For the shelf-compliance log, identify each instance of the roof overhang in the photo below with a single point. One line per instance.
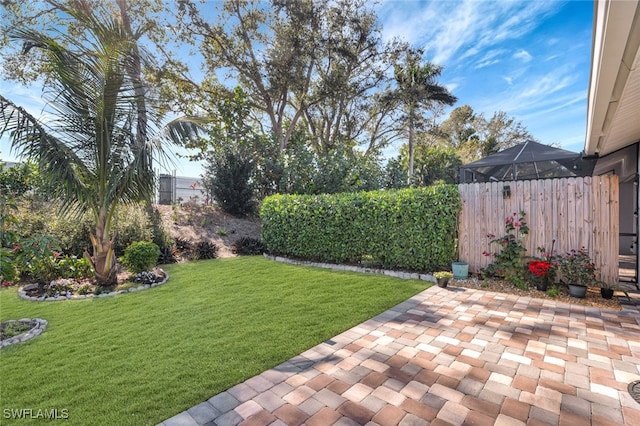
(613, 110)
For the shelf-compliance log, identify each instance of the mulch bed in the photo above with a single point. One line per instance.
(592, 298)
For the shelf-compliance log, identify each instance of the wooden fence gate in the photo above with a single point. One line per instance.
(576, 212)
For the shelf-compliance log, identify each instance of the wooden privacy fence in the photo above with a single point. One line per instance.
(576, 212)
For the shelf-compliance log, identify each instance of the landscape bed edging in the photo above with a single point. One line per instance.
(353, 268)
(40, 326)
(23, 295)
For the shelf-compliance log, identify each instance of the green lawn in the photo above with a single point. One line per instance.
(140, 358)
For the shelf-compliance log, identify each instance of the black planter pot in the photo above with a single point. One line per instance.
(541, 286)
(442, 282)
(607, 293)
(577, 291)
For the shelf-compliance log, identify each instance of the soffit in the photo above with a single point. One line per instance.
(613, 117)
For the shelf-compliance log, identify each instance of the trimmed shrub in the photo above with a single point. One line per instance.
(140, 256)
(413, 228)
(247, 246)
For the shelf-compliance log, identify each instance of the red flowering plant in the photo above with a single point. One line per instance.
(542, 270)
(509, 262)
(539, 268)
(576, 267)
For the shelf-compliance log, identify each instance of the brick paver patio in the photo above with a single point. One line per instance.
(451, 357)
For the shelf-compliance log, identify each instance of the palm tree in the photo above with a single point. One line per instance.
(100, 145)
(417, 89)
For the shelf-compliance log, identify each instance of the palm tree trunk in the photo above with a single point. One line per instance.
(103, 259)
(411, 132)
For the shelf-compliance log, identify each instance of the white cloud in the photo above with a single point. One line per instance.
(455, 30)
(451, 86)
(509, 80)
(490, 58)
(523, 55)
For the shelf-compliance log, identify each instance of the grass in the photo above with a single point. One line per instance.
(140, 358)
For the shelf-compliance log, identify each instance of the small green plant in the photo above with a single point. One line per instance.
(84, 289)
(11, 329)
(222, 232)
(443, 274)
(140, 256)
(102, 290)
(174, 214)
(37, 258)
(553, 291)
(74, 267)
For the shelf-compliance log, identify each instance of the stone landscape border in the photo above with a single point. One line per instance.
(36, 330)
(353, 268)
(22, 292)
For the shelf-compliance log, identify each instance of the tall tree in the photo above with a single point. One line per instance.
(475, 137)
(99, 145)
(307, 63)
(265, 48)
(417, 90)
(501, 132)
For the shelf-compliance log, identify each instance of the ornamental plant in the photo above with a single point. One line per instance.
(37, 258)
(443, 274)
(544, 268)
(509, 262)
(140, 256)
(576, 267)
(539, 268)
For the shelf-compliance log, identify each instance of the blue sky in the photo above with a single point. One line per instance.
(529, 58)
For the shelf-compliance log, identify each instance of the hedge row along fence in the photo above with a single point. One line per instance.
(413, 229)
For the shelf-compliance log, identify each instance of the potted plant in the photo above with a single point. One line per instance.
(543, 269)
(606, 290)
(443, 277)
(577, 271)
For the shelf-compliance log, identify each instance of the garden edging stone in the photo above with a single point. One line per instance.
(23, 295)
(353, 268)
(40, 326)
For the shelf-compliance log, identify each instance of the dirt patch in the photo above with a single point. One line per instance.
(199, 223)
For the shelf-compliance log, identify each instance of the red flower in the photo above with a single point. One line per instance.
(539, 268)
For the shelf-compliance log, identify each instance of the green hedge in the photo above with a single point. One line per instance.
(411, 228)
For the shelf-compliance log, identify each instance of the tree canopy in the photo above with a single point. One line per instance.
(322, 96)
(101, 135)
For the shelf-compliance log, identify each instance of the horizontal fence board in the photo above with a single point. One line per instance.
(575, 212)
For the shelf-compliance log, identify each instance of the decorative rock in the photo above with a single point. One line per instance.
(22, 292)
